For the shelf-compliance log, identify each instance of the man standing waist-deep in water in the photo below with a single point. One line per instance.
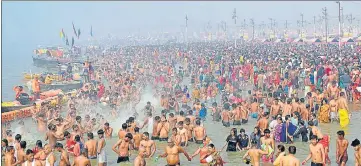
(341, 149)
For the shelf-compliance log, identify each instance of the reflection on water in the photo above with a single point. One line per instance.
(215, 130)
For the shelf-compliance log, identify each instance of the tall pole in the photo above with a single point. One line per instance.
(302, 27)
(186, 39)
(314, 26)
(286, 25)
(252, 23)
(350, 19)
(324, 11)
(234, 16)
(271, 24)
(339, 26)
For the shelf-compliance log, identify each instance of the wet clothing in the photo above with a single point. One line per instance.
(122, 159)
(243, 141)
(232, 143)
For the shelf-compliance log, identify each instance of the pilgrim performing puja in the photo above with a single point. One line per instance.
(253, 93)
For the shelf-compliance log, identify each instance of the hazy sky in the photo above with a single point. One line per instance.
(41, 22)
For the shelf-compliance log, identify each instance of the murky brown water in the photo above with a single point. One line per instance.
(215, 130)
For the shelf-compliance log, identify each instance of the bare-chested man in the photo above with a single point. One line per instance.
(175, 137)
(267, 142)
(140, 159)
(108, 131)
(21, 154)
(254, 108)
(102, 158)
(314, 130)
(163, 129)
(91, 145)
(255, 154)
(50, 157)
(30, 161)
(180, 117)
(82, 159)
(172, 153)
(155, 134)
(287, 109)
(275, 108)
(147, 145)
(225, 116)
(123, 150)
(263, 123)
(199, 133)
(244, 112)
(64, 158)
(296, 106)
(290, 159)
(342, 102)
(236, 115)
(357, 147)
(172, 120)
(189, 127)
(341, 149)
(182, 132)
(122, 132)
(9, 156)
(317, 153)
(137, 137)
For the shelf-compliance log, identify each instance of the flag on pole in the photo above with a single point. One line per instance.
(78, 33)
(62, 34)
(72, 41)
(67, 41)
(74, 30)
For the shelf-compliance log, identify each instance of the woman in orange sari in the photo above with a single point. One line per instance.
(324, 113)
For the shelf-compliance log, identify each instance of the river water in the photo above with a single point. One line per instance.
(215, 131)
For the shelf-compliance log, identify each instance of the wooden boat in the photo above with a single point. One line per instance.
(13, 108)
(64, 86)
(28, 76)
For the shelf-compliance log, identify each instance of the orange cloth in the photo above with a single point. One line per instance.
(35, 86)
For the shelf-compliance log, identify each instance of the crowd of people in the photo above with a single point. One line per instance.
(288, 89)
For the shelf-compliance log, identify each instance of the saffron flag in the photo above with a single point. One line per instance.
(74, 30)
(61, 34)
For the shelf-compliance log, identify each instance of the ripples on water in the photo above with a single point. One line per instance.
(215, 130)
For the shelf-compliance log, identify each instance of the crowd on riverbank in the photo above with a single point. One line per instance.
(287, 88)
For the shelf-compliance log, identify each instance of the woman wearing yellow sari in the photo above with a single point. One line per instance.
(324, 113)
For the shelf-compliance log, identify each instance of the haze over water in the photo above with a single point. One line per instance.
(29, 24)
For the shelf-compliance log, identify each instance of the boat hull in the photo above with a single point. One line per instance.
(63, 87)
(13, 108)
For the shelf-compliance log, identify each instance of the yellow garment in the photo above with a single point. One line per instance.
(278, 159)
(48, 80)
(344, 119)
(323, 114)
(241, 59)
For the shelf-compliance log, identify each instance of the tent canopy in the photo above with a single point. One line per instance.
(347, 40)
(298, 40)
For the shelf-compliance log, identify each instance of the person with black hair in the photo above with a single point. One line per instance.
(317, 153)
(123, 148)
(341, 148)
(357, 147)
(231, 141)
(108, 131)
(91, 145)
(82, 159)
(21, 155)
(4, 145)
(280, 154)
(9, 158)
(30, 159)
(147, 145)
(17, 145)
(123, 131)
(254, 154)
(64, 156)
(78, 146)
(290, 159)
(302, 130)
(172, 152)
(243, 141)
(102, 158)
(267, 144)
